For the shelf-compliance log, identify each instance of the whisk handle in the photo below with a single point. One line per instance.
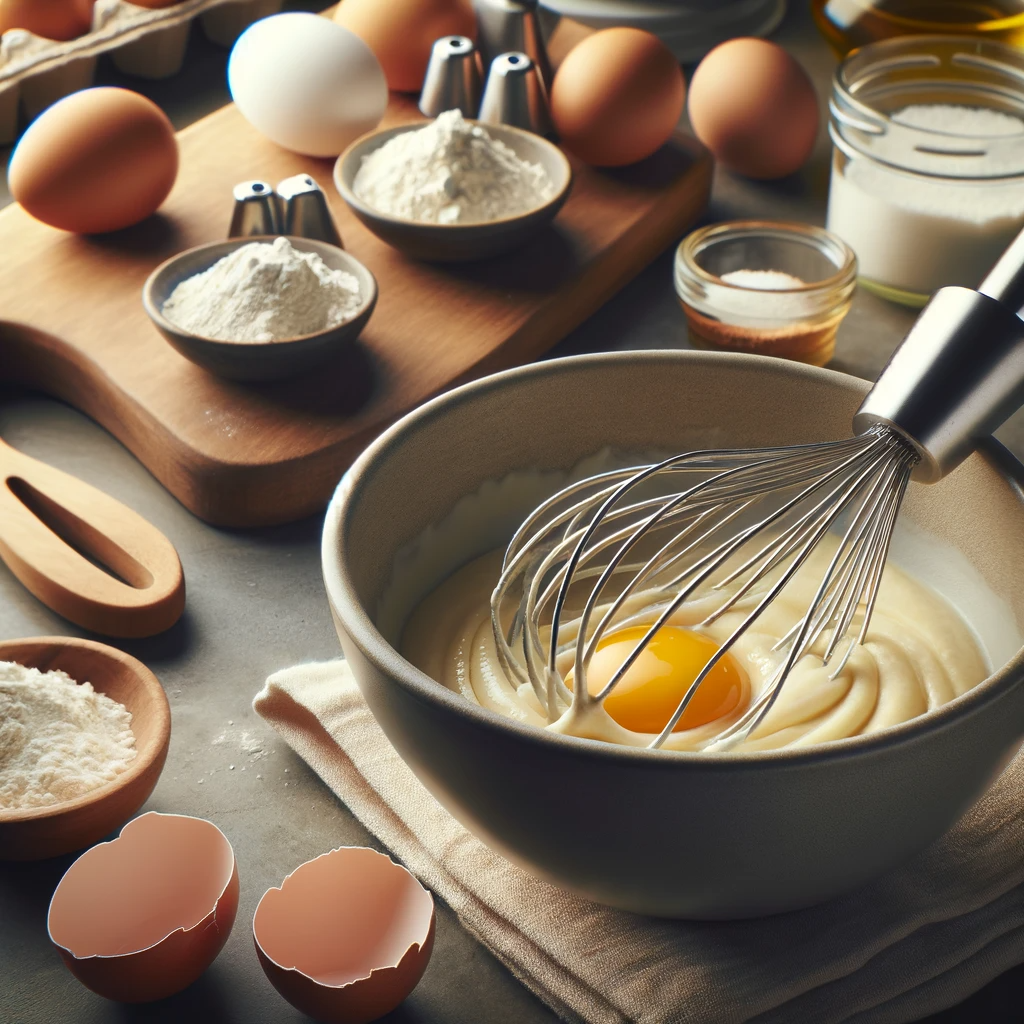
(1005, 281)
(958, 374)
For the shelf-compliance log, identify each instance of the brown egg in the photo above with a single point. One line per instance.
(346, 937)
(141, 917)
(52, 19)
(755, 108)
(98, 160)
(401, 33)
(617, 97)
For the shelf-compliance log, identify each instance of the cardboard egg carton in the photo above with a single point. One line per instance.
(35, 72)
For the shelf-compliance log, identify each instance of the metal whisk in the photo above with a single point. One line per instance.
(632, 546)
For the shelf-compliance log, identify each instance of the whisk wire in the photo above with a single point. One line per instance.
(595, 530)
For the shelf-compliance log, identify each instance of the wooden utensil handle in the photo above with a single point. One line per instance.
(84, 554)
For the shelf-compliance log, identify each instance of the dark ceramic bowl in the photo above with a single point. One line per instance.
(670, 833)
(445, 243)
(256, 360)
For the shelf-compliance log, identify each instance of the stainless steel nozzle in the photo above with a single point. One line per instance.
(453, 80)
(515, 95)
(255, 211)
(304, 210)
(511, 26)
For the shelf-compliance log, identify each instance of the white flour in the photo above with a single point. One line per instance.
(264, 292)
(58, 738)
(450, 172)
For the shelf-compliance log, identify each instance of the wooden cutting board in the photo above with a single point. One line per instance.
(72, 323)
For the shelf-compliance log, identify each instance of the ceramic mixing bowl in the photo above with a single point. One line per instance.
(668, 833)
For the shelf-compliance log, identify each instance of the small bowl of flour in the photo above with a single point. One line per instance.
(84, 732)
(453, 189)
(263, 308)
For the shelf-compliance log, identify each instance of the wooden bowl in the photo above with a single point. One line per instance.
(37, 832)
(255, 360)
(447, 243)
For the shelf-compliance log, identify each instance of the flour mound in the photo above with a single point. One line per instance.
(58, 738)
(264, 292)
(450, 172)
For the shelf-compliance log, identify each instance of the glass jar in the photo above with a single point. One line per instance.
(928, 165)
(847, 24)
(771, 288)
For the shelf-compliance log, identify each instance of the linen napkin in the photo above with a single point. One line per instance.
(920, 939)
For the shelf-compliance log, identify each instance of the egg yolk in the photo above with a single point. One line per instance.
(648, 694)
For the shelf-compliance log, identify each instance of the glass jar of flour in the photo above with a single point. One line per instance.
(928, 167)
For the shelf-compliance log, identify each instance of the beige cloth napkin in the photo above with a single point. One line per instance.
(918, 940)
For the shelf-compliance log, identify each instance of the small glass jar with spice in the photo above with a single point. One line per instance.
(765, 287)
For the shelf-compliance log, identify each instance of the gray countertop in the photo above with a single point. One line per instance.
(256, 604)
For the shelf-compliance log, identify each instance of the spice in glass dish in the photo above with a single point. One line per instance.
(770, 288)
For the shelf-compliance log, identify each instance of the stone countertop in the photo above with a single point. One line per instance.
(224, 763)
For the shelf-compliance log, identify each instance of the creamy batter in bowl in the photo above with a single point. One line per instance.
(675, 833)
(918, 655)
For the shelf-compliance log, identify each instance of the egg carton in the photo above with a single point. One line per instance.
(36, 72)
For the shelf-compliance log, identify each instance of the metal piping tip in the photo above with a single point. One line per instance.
(304, 210)
(255, 211)
(511, 26)
(515, 95)
(453, 80)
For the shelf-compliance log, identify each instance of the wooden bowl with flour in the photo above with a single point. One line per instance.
(32, 833)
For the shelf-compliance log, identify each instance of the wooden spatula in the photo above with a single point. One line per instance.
(84, 554)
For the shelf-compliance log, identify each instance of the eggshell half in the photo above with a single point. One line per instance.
(141, 917)
(346, 937)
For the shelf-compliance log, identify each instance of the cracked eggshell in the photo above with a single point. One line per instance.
(141, 917)
(346, 937)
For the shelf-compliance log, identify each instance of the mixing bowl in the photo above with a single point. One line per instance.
(667, 833)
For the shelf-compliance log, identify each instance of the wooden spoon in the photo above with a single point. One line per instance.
(84, 554)
(35, 832)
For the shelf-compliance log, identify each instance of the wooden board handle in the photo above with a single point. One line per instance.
(84, 554)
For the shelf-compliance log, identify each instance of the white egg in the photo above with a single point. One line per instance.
(307, 83)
